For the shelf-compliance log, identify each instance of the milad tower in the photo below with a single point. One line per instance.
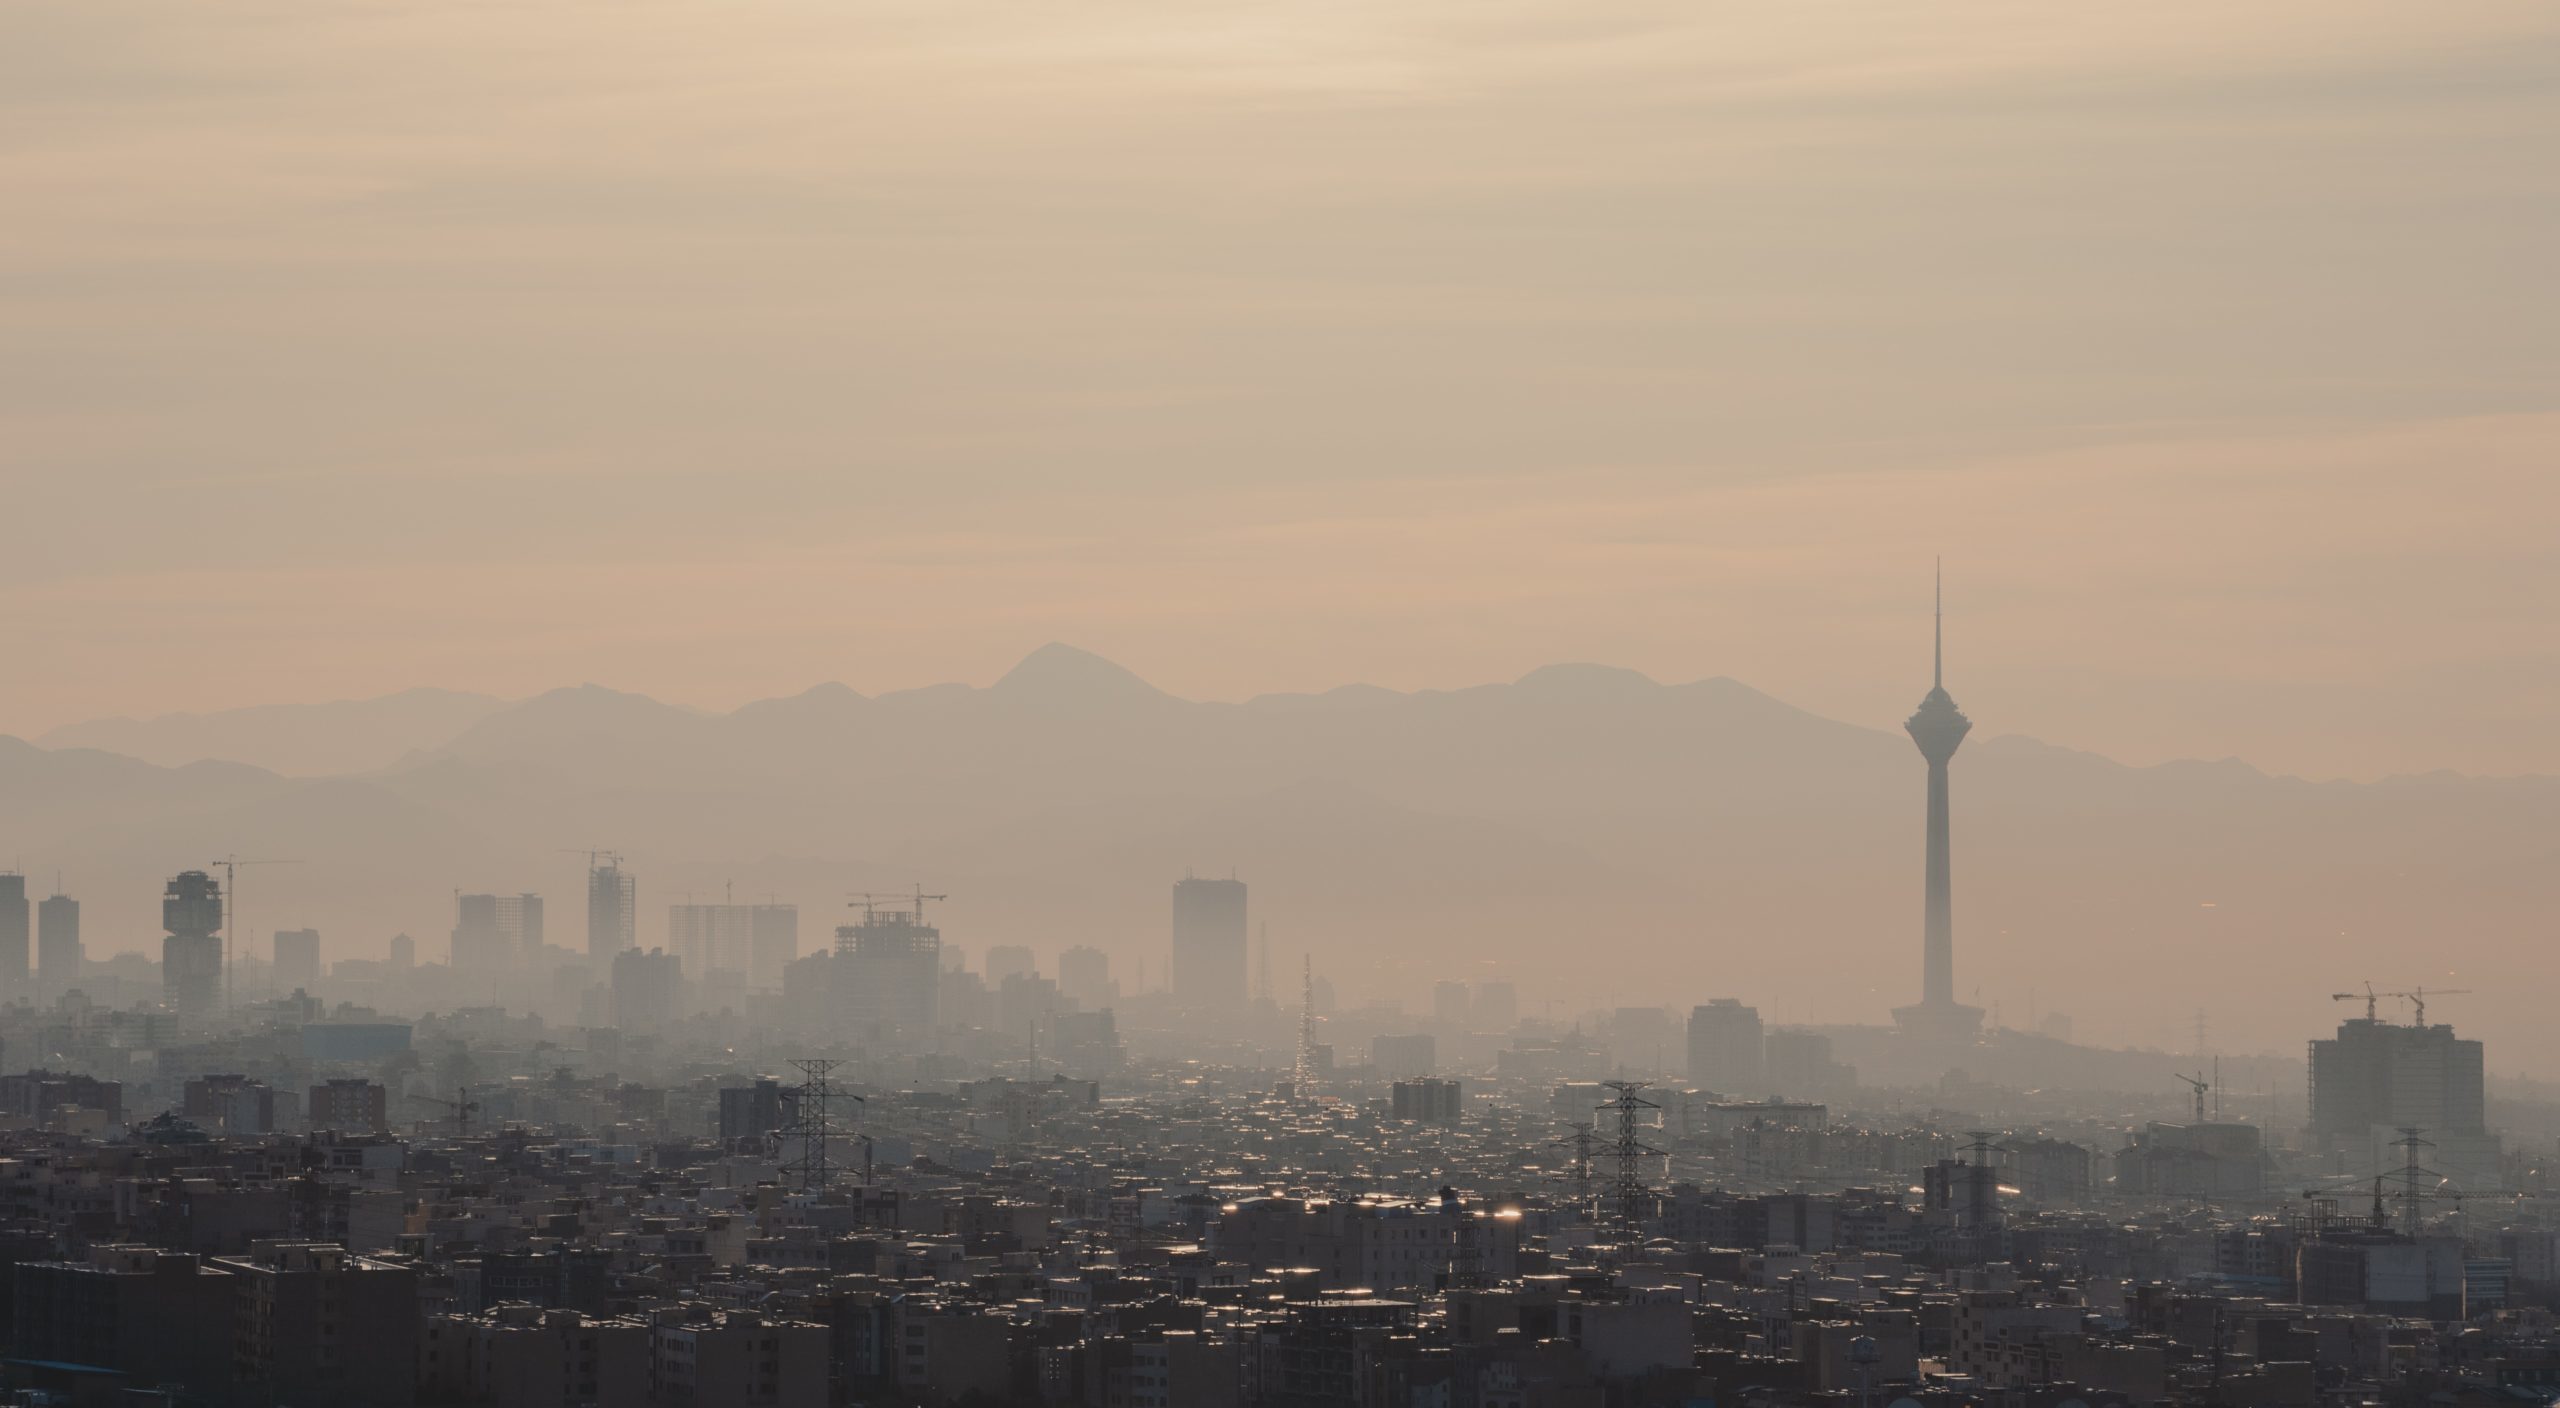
(1939, 727)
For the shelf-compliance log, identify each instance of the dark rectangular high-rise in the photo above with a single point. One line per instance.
(57, 946)
(1209, 944)
(13, 936)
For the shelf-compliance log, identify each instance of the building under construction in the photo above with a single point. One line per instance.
(888, 971)
(2376, 1078)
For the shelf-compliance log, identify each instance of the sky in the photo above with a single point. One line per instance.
(715, 350)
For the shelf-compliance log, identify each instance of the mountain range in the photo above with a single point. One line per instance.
(1601, 838)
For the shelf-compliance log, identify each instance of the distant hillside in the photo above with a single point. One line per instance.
(1603, 838)
(301, 740)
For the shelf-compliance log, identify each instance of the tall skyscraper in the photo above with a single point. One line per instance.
(191, 956)
(495, 931)
(1938, 727)
(2376, 1078)
(57, 946)
(1084, 977)
(648, 991)
(712, 937)
(13, 935)
(1726, 1053)
(613, 908)
(888, 975)
(297, 959)
(1209, 944)
(773, 943)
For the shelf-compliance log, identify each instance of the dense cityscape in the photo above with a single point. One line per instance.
(530, 1168)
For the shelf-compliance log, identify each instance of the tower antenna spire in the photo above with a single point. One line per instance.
(1938, 636)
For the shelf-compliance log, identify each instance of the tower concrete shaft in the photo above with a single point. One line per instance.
(1938, 923)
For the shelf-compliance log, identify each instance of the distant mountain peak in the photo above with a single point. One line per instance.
(1583, 677)
(1057, 671)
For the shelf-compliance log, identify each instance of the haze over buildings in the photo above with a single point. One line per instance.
(1349, 377)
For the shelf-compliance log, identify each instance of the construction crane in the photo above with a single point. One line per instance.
(871, 903)
(462, 1105)
(231, 913)
(2418, 1002)
(2416, 998)
(2201, 1085)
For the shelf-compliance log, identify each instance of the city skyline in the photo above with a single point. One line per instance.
(2026, 882)
(836, 703)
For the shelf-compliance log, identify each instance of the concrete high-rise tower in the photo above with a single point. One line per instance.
(14, 932)
(1209, 945)
(191, 956)
(613, 908)
(57, 946)
(1938, 727)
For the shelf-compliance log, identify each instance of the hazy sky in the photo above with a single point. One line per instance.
(713, 348)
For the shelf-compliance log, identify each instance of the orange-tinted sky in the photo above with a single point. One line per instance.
(712, 350)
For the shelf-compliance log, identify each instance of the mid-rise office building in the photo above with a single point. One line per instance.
(751, 1111)
(351, 1104)
(1429, 1100)
(1209, 944)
